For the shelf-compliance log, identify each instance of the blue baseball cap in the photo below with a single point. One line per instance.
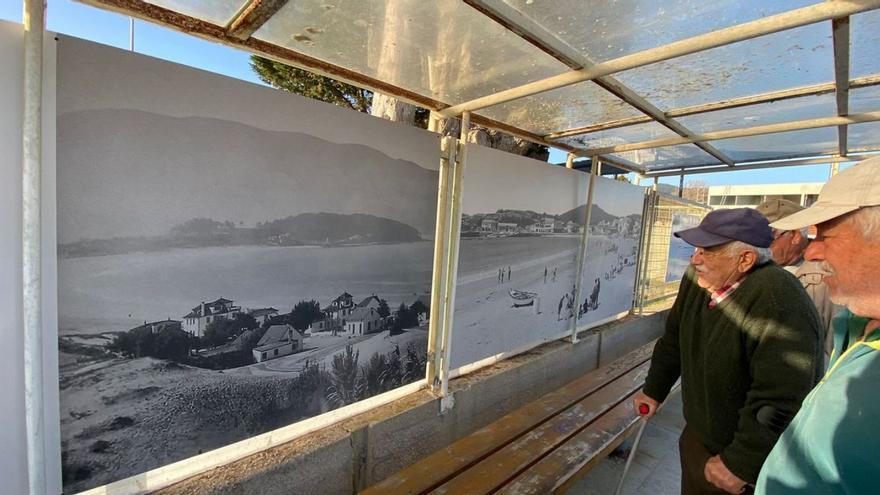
(723, 226)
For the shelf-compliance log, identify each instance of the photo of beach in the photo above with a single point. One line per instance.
(679, 251)
(611, 256)
(521, 228)
(226, 270)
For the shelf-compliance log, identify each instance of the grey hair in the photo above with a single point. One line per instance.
(867, 221)
(762, 254)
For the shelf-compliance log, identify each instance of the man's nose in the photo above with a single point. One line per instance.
(815, 251)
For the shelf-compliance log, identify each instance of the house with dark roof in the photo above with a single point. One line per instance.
(198, 319)
(363, 321)
(279, 340)
(340, 307)
(158, 326)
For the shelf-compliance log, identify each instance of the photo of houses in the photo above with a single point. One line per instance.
(226, 271)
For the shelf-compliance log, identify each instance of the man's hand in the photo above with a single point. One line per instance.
(718, 474)
(641, 399)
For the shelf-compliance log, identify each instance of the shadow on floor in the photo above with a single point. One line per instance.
(655, 469)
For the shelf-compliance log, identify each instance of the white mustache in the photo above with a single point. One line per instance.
(826, 268)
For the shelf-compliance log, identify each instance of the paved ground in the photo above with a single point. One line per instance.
(655, 469)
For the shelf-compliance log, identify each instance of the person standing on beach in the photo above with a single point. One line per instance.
(545, 274)
(500, 276)
(554, 274)
(508, 273)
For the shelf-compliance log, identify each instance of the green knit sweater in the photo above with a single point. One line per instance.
(759, 347)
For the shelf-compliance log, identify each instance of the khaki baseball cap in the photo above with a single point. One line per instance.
(854, 188)
(777, 209)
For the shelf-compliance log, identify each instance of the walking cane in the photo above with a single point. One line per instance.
(643, 410)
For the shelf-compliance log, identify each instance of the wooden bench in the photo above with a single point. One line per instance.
(541, 447)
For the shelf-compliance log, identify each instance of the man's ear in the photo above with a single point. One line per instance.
(747, 260)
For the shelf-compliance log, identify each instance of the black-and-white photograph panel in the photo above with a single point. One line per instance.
(521, 228)
(612, 251)
(232, 259)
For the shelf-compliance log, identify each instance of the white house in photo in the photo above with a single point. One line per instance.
(370, 302)
(340, 307)
(363, 321)
(508, 228)
(197, 320)
(488, 225)
(279, 340)
(262, 315)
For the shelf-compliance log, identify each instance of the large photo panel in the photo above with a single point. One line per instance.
(232, 259)
(521, 228)
(612, 251)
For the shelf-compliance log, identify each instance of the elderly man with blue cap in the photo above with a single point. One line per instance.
(744, 338)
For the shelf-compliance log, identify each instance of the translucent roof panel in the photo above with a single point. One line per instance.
(863, 137)
(809, 142)
(797, 57)
(218, 12)
(864, 32)
(442, 49)
(607, 30)
(564, 108)
(864, 99)
(621, 135)
(683, 155)
(807, 107)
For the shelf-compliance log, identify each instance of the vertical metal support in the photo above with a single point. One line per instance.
(569, 162)
(649, 219)
(638, 292)
(34, 18)
(638, 180)
(656, 184)
(453, 234)
(681, 184)
(835, 169)
(438, 281)
(585, 239)
(131, 34)
(433, 121)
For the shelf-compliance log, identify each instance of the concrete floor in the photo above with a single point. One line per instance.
(655, 469)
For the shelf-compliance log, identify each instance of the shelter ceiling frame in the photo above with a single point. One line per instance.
(253, 14)
(760, 165)
(547, 41)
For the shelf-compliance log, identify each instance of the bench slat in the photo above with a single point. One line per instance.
(445, 463)
(556, 472)
(505, 464)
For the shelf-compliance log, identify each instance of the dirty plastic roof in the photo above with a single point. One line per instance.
(653, 86)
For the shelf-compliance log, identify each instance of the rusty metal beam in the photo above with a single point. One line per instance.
(841, 76)
(252, 16)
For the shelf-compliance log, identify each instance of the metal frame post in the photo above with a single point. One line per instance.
(438, 281)
(585, 239)
(34, 21)
(453, 234)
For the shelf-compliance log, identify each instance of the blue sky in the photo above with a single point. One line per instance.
(75, 19)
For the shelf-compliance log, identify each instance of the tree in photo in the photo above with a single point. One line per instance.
(221, 331)
(346, 386)
(383, 309)
(304, 314)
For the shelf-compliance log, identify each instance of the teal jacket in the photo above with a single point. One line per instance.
(833, 444)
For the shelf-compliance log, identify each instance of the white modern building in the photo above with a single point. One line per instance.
(804, 194)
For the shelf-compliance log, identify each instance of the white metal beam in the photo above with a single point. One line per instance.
(786, 94)
(841, 76)
(761, 165)
(740, 132)
(32, 303)
(822, 11)
(513, 20)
